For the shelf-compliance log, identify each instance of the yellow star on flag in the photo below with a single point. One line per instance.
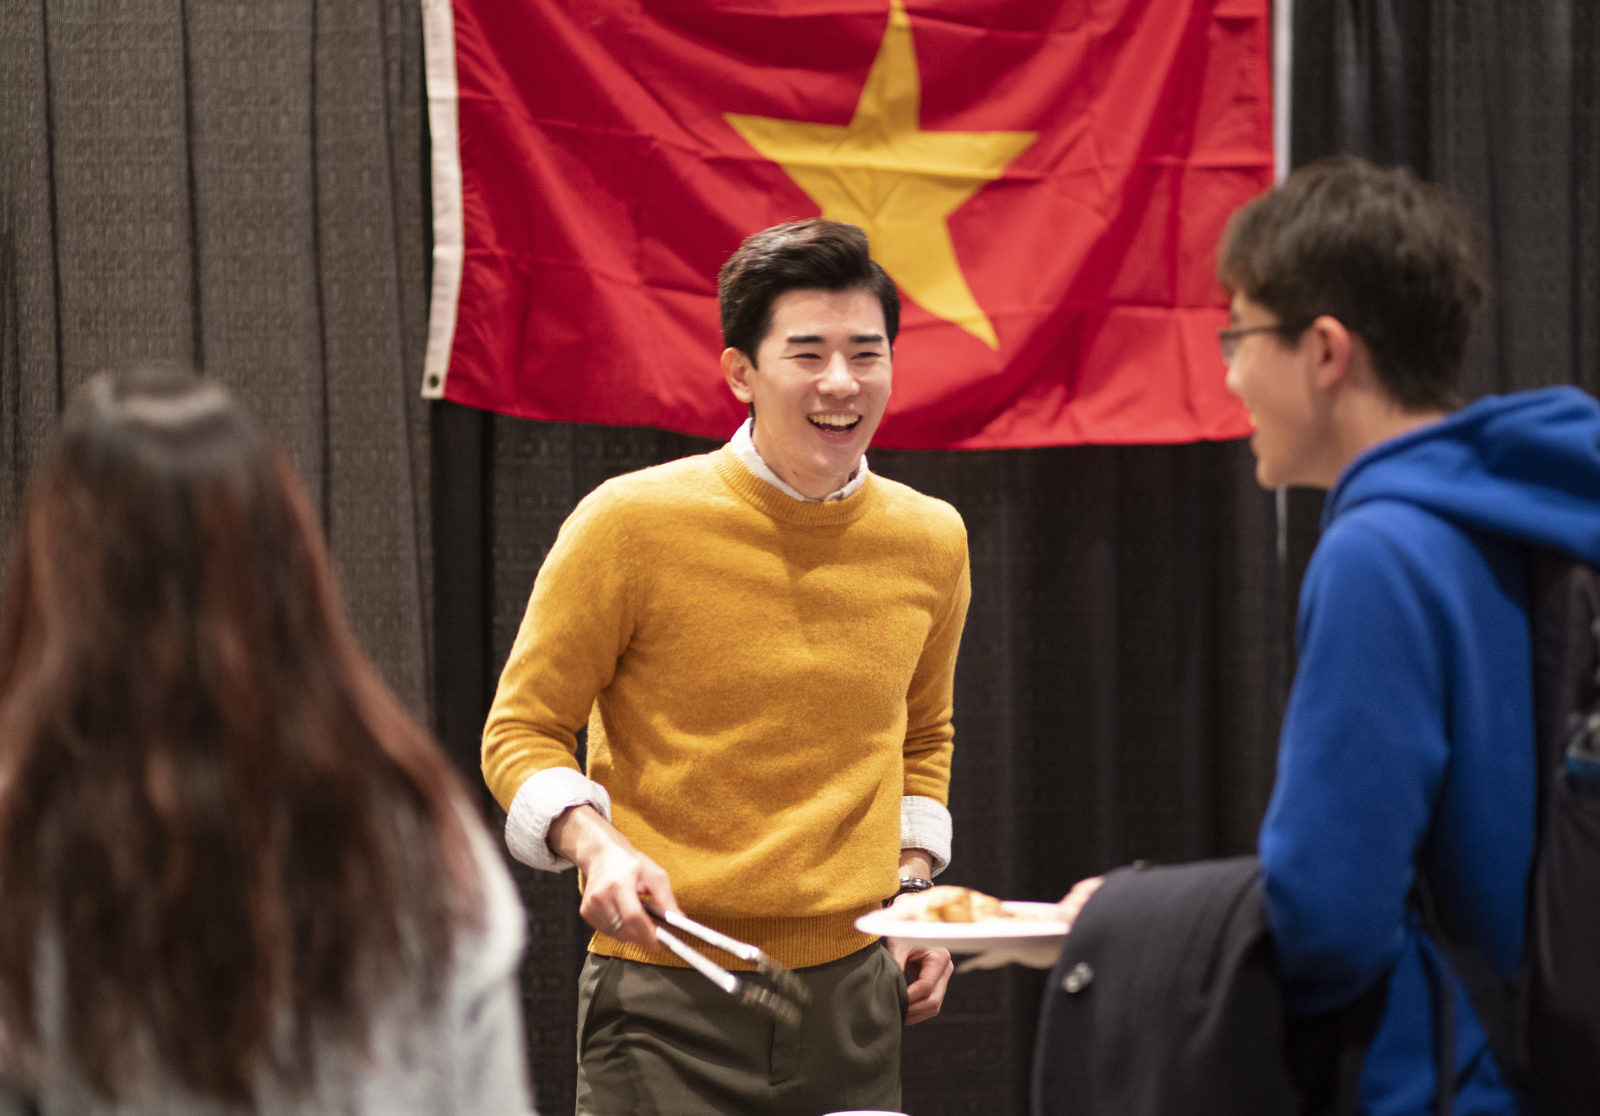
(898, 182)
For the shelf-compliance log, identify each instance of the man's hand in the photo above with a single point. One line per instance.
(1071, 904)
(927, 970)
(927, 976)
(615, 876)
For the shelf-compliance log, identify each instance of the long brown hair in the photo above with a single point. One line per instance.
(231, 831)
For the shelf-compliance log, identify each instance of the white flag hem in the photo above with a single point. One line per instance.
(439, 52)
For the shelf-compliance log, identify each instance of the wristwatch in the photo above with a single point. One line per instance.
(910, 885)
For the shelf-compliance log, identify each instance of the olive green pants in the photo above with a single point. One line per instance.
(659, 1041)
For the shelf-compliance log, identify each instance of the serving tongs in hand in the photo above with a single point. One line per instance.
(771, 987)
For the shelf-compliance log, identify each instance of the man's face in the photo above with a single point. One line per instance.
(819, 385)
(1270, 375)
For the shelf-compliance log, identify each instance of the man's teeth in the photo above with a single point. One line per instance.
(835, 422)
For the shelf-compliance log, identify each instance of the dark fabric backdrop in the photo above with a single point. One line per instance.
(245, 187)
(237, 187)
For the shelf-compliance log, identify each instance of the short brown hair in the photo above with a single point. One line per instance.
(1387, 254)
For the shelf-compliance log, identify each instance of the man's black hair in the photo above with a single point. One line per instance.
(814, 254)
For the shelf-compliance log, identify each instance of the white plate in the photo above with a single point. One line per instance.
(968, 937)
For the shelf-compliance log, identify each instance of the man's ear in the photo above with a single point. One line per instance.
(1333, 346)
(736, 370)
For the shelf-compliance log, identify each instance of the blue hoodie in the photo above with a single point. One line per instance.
(1408, 735)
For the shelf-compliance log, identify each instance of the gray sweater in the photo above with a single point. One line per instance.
(466, 1059)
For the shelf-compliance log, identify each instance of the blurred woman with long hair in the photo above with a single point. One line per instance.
(235, 874)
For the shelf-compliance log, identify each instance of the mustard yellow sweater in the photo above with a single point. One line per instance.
(763, 679)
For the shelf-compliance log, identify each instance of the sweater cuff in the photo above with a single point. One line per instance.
(924, 824)
(543, 798)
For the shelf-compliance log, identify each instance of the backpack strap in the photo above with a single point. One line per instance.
(1493, 998)
(1444, 1035)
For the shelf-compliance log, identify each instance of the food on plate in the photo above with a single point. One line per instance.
(948, 903)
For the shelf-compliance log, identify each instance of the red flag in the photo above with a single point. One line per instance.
(1045, 182)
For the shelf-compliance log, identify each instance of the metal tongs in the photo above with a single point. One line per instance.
(771, 987)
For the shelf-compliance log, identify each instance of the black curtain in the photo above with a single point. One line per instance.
(237, 188)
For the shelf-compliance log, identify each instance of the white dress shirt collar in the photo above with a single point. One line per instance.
(744, 448)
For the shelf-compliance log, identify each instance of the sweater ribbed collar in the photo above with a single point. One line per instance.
(786, 509)
(743, 444)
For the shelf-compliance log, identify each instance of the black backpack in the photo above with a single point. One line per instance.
(1544, 1025)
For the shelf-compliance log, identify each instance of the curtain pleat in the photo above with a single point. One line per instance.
(29, 332)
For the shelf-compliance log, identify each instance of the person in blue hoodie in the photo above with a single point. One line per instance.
(1407, 740)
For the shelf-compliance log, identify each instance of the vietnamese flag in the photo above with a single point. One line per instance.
(1044, 180)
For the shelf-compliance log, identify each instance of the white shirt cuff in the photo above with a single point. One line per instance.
(924, 824)
(541, 800)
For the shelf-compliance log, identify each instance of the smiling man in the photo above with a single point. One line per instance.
(762, 641)
(818, 382)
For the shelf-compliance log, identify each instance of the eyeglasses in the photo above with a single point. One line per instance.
(1228, 339)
